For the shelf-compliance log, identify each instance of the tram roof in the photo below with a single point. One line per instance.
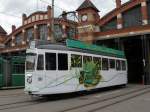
(74, 45)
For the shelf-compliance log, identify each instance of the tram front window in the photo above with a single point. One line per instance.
(30, 61)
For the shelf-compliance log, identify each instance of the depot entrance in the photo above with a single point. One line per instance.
(134, 53)
(136, 49)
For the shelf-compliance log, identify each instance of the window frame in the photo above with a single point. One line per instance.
(63, 60)
(113, 65)
(118, 69)
(91, 58)
(81, 63)
(107, 64)
(55, 61)
(124, 65)
(100, 59)
(43, 68)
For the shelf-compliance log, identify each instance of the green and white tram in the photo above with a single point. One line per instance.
(73, 67)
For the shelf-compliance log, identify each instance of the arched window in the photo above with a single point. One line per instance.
(43, 32)
(29, 34)
(58, 31)
(18, 39)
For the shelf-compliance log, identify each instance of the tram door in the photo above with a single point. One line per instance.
(39, 77)
(50, 69)
(62, 74)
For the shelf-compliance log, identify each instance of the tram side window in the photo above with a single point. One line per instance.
(118, 65)
(76, 60)
(105, 65)
(123, 65)
(97, 61)
(112, 63)
(62, 62)
(50, 61)
(87, 59)
(40, 62)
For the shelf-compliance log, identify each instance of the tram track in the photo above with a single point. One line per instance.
(101, 103)
(10, 95)
(106, 102)
(19, 104)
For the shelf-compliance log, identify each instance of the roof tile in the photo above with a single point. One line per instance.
(87, 4)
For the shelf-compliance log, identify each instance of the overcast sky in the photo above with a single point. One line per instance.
(11, 10)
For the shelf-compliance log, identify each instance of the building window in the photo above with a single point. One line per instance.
(29, 34)
(43, 32)
(105, 64)
(112, 24)
(132, 17)
(71, 33)
(50, 61)
(148, 6)
(40, 62)
(18, 39)
(8, 44)
(62, 62)
(76, 60)
(58, 31)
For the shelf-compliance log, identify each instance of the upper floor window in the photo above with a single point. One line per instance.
(112, 24)
(71, 32)
(29, 34)
(58, 31)
(43, 32)
(18, 39)
(132, 17)
(8, 44)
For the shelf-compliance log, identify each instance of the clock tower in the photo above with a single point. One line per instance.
(88, 21)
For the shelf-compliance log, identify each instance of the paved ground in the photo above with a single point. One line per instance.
(116, 100)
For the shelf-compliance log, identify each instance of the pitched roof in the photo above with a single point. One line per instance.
(87, 4)
(2, 31)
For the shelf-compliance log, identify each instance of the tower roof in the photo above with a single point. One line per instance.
(87, 4)
(2, 31)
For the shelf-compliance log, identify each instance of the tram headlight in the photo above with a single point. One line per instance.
(29, 79)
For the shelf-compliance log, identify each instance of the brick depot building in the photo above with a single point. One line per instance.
(127, 27)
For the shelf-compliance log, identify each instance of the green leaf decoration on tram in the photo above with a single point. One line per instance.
(90, 76)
